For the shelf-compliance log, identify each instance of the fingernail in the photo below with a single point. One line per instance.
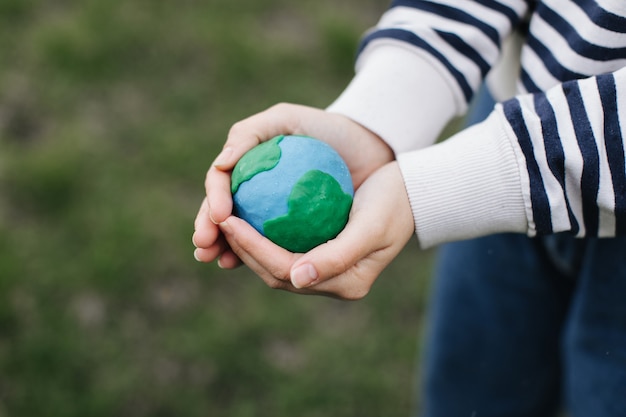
(223, 157)
(303, 276)
(195, 255)
(219, 263)
(225, 227)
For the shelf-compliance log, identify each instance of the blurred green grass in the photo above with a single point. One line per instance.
(110, 113)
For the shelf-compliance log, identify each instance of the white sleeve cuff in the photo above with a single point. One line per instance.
(468, 186)
(399, 96)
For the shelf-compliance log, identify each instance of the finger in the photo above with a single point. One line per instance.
(335, 257)
(212, 252)
(280, 119)
(271, 262)
(229, 260)
(376, 231)
(203, 215)
(219, 197)
(205, 231)
(364, 234)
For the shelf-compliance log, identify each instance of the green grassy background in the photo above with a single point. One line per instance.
(110, 113)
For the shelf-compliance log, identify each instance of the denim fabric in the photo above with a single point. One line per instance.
(522, 327)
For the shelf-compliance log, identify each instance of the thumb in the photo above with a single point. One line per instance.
(280, 119)
(377, 230)
(331, 259)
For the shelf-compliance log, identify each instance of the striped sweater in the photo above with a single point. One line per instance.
(549, 159)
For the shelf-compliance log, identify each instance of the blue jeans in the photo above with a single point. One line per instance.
(522, 327)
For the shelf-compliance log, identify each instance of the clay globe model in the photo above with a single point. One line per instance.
(295, 190)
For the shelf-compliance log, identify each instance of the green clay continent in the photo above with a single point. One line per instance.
(318, 211)
(262, 157)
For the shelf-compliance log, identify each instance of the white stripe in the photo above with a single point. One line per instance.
(573, 156)
(537, 70)
(594, 34)
(462, 63)
(417, 20)
(617, 7)
(519, 7)
(606, 195)
(620, 85)
(459, 61)
(565, 55)
(556, 195)
(482, 13)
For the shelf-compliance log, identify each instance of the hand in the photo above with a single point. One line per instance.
(362, 150)
(380, 224)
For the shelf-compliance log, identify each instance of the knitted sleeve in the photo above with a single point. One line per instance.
(549, 160)
(541, 163)
(420, 65)
(462, 39)
(572, 147)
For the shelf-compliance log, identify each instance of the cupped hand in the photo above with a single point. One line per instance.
(380, 225)
(362, 150)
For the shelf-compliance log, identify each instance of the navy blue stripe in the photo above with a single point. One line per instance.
(554, 150)
(590, 180)
(452, 14)
(413, 39)
(603, 18)
(576, 42)
(509, 13)
(538, 195)
(528, 82)
(501, 8)
(557, 70)
(614, 147)
(464, 48)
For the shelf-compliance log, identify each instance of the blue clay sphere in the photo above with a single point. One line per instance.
(295, 190)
